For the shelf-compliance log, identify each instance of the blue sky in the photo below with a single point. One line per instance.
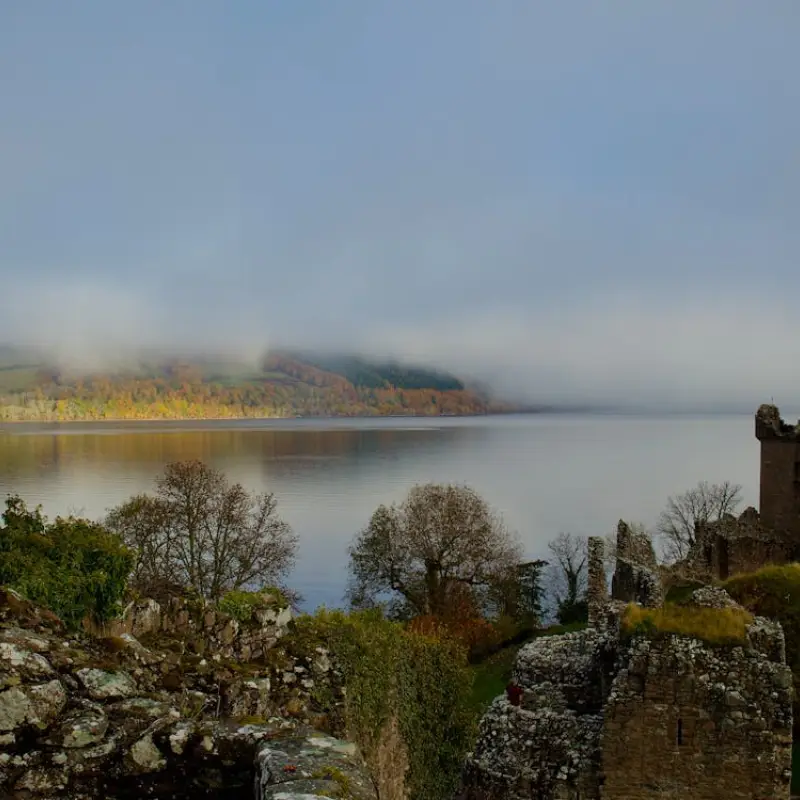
(582, 201)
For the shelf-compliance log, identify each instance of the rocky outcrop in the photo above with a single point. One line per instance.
(82, 717)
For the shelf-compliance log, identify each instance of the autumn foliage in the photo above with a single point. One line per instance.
(283, 387)
(474, 633)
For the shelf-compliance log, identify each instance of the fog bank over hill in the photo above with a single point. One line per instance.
(620, 354)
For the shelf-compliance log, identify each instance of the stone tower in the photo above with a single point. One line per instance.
(780, 473)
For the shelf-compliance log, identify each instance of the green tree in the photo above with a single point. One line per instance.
(520, 594)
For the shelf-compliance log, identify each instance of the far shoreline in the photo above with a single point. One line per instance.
(314, 422)
(300, 419)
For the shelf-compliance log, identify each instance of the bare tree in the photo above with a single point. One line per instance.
(440, 540)
(200, 531)
(684, 512)
(568, 575)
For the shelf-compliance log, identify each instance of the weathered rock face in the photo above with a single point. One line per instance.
(85, 718)
(545, 744)
(595, 714)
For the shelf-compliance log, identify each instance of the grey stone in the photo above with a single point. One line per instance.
(102, 685)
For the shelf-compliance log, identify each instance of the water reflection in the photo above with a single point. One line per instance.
(544, 473)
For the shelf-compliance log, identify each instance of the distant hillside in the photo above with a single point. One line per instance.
(286, 384)
(372, 375)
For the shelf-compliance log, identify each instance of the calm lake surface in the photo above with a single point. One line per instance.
(545, 473)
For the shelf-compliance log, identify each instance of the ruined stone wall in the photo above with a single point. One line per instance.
(203, 627)
(729, 546)
(780, 485)
(82, 718)
(596, 589)
(542, 740)
(692, 722)
(603, 715)
(636, 576)
(780, 472)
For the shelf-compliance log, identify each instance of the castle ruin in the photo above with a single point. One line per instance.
(606, 714)
(732, 544)
(779, 499)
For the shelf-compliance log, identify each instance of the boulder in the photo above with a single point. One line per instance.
(103, 685)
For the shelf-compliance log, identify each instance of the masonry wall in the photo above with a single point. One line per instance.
(689, 722)
(780, 485)
(726, 557)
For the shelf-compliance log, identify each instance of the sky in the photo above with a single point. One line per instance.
(581, 202)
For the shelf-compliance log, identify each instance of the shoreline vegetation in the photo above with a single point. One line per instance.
(283, 386)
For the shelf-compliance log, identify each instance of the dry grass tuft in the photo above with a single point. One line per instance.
(711, 625)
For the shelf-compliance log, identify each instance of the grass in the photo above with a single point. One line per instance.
(772, 591)
(242, 605)
(711, 625)
(491, 677)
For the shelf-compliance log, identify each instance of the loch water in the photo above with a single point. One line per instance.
(545, 473)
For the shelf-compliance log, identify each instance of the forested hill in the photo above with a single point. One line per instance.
(285, 384)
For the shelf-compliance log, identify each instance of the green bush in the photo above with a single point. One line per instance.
(74, 567)
(240, 604)
(389, 671)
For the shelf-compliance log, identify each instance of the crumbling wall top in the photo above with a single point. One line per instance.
(636, 577)
(635, 547)
(747, 525)
(769, 425)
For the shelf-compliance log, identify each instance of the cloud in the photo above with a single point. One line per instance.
(588, 207)
(717, 353)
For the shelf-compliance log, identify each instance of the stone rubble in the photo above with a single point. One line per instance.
(123, 718)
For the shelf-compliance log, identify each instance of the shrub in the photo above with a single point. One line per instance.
(772, 591)
(474, 634)
(240, 604)
(392, 673)
(712, 625)
(74, 567)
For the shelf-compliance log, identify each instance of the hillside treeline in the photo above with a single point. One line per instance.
(286, 387)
